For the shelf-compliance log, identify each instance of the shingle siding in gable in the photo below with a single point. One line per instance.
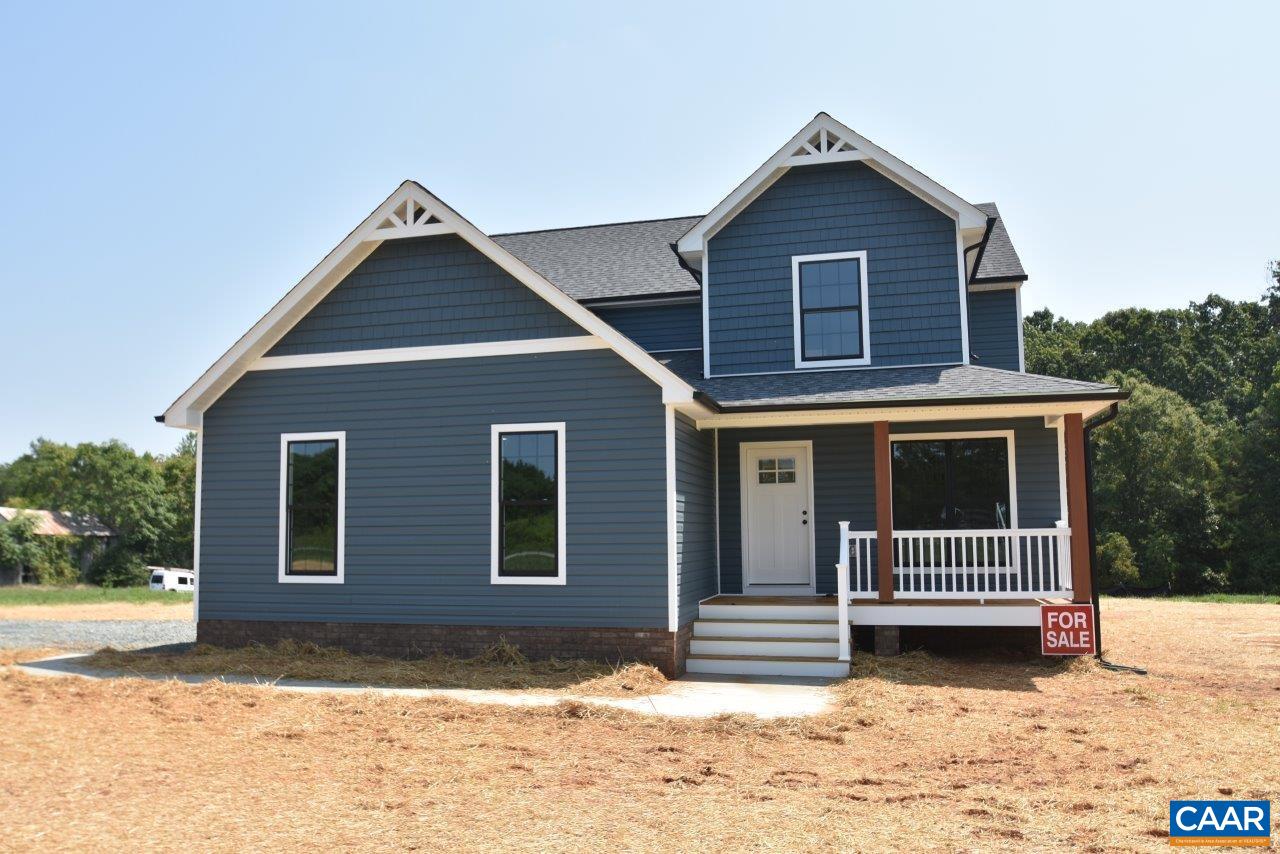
(914, 296)
(695, 517)
(424, 292)
(993, 329)
(658, 327)
(418, 492)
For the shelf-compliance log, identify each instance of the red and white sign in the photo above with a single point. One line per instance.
(1067, 630)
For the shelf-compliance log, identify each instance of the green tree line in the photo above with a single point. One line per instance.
(148, 500)
(1187, 478)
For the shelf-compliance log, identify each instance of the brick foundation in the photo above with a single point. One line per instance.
(664, 649)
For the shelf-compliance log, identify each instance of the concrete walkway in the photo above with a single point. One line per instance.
(691, 696)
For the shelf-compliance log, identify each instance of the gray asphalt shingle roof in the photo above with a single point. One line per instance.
(999, 258)
(639, 259)
(881, 386)
(625, 259)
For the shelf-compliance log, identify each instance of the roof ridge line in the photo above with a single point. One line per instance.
(596, 225)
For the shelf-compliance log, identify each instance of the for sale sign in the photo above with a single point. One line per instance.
(1067, 630)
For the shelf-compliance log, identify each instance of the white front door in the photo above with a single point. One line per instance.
(777, 518)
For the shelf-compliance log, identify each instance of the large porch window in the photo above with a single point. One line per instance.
(957, 481)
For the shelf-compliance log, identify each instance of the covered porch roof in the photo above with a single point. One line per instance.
(878, 389)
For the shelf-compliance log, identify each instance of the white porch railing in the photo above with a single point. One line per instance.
(1020, 563)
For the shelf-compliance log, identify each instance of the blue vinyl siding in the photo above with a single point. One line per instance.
(843, 490)
(423, 292)
(418, 491)
(913, 281)
(993, 329)
(659, 327)
(695, 517)
(844, 483)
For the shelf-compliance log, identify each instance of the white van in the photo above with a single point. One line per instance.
(164, 578)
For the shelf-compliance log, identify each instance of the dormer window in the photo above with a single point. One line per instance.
(830, 300)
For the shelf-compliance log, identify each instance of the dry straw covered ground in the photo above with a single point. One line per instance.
(922, 753)
(100, 611)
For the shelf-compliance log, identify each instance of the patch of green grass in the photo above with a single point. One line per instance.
(85, 595)
(1219, 598)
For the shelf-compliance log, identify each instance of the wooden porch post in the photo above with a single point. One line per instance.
(1077, 508)
(884, 513)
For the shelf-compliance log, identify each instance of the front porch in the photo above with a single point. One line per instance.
(959, 510)
(826, 527)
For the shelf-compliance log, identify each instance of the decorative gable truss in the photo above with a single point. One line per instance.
(410, 218)
(825, 146)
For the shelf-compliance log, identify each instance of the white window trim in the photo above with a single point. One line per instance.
(1007, 435)
(863, 313)
(495, 500)
(285, 439)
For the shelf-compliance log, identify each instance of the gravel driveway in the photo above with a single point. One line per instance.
(92, 634)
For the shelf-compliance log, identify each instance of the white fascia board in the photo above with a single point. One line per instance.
(943, 412)
(359, 244)
(966, 215)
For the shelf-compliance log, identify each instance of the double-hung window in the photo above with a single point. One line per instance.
(528, 504)
(312, 506)
(829, 294)
(954, 481)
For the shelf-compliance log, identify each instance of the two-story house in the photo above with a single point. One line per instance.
(715, 443)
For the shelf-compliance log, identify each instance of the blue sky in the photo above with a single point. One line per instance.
(168, 171)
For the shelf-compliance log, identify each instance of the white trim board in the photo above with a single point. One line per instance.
(959, 614)
(743, 515)
(1058, 424)
(797, 322)
(386, 355)
(1011, 454)
(907, 413)
(495, 515)
(428, 212)
(285, 438)
(673, 571)
(195, 534)
(964, 296)
(716, 485)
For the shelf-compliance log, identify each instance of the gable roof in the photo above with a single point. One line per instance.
(825, 140)
(56, 523)
(616, 260)
(410, 211)
(997, 259)
(637, 260)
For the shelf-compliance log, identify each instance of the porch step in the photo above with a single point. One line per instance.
(754, 665)
(761, 647)
(826, 629)
(768, 611)
(767, 636)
